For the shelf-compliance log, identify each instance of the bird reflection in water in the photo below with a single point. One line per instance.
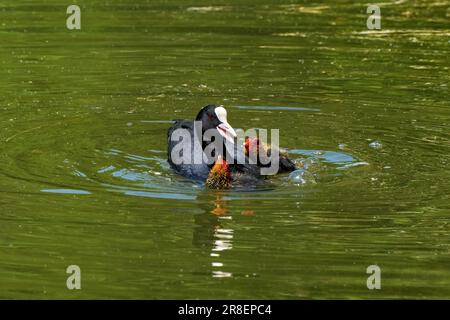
(211, 233)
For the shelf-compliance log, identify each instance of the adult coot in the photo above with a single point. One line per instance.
(186, 136)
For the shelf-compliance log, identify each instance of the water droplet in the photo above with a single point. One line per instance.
(376, 145)
(305, 163)
(301, 177)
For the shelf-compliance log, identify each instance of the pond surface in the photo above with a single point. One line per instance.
(84, 179)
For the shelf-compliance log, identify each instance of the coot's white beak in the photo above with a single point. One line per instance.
(224, 127)
(227, 131)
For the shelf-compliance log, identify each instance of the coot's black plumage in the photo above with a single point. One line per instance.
(193, 171)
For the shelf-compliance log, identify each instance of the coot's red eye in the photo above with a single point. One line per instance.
(210, 116)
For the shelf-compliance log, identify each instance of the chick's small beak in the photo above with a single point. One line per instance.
(227, 131)
(246, 146)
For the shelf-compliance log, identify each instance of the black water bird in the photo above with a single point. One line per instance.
(210, 120)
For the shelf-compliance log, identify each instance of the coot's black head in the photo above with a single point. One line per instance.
(215, 117)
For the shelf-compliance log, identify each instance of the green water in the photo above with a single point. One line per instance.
(84, 179)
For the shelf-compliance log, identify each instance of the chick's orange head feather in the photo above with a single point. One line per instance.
(251, 143)
(220, 166)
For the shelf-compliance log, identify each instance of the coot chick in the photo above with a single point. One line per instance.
(220, 176)
(253, 146)
(224, 176)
